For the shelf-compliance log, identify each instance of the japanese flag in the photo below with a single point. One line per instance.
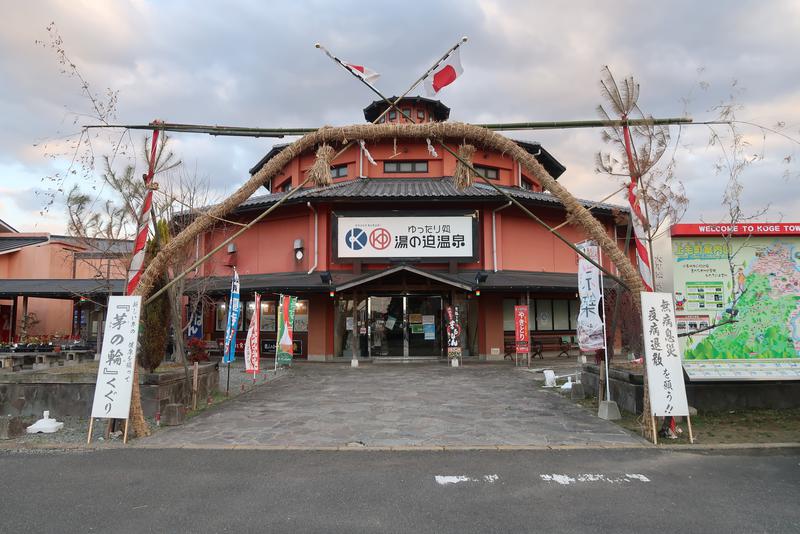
(363, 72)
(445, 74)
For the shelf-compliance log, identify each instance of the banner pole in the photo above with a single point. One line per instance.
(605, 334)
(91, 426)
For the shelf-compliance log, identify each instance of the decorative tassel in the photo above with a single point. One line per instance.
(366, 152)
(320, 172)
(463, 176)
(431, 149)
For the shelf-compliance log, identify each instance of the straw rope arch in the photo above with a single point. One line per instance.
(325, 137)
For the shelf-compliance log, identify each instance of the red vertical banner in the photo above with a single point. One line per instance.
(522, 332)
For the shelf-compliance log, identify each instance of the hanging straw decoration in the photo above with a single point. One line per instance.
(366, 152)
(430, 148)
(320, 172)
(463, 176)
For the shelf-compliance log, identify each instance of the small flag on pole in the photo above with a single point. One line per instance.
(233, 321)
(445, 74)
(362, 71)
(252, 345)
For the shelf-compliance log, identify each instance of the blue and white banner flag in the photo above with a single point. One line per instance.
(233, 321)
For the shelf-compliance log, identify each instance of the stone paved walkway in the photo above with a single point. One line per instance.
(328, 405)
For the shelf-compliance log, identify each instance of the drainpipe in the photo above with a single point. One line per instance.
(494, 233)
(316, 237)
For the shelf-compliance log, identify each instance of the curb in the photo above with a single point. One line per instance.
(399, 448)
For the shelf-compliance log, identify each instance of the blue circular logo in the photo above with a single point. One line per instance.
(355, 238)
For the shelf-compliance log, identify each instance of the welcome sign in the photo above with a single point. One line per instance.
(409, 236)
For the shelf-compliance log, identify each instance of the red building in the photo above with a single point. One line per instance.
(378, 256)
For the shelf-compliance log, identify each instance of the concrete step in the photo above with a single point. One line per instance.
(410, 359)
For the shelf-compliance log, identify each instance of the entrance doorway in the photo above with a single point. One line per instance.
(405, 326)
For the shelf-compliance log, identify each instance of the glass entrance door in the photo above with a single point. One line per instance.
(387, 335)
(405, 326)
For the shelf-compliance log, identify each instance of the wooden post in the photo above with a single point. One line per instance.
(91, 426)
(653, 428)
(195, 373)
(689, 426)
(125, 434)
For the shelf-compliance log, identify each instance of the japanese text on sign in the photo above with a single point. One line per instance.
(522, 332)
(393, 237)
(112, 394)
(590, 328)
(664, 369)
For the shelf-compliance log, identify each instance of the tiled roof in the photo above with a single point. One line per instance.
(14, 243)
(54, 288)
(408, 188)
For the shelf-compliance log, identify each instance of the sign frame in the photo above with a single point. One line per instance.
(410, 214)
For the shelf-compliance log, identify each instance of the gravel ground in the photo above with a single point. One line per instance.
(76, 429)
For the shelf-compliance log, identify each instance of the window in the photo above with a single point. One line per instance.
(339, 171)
(286, 187)
(301, 316)
(544, 314)
(221, 318)
(487, 172)
(556, 314)
(405, 166)
(526, 185)
(421, 114)
(393, 115)
(508, 313)
(407, 113)
(561, 315)
(268, 316)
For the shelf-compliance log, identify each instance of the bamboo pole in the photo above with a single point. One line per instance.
(242, 131)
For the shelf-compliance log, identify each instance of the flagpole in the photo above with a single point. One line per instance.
(411, 88)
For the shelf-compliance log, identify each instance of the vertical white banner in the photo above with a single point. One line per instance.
(590, 329)
(662, 355)
(112, 393)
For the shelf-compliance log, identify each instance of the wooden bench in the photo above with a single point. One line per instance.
(562, 344)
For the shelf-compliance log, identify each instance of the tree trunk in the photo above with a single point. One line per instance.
(140, 427)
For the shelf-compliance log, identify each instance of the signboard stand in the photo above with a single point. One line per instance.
(115, 372)
(667, 391)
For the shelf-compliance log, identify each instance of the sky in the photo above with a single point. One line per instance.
(252, 63)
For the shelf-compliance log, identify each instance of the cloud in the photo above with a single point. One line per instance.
(244, 64)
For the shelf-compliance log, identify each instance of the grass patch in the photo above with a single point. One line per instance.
(730, 426)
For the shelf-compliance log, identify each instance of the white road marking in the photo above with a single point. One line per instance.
(444, 480)
(566, 480)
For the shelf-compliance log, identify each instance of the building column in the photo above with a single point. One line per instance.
(14, 317)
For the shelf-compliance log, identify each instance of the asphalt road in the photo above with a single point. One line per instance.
(640, 490)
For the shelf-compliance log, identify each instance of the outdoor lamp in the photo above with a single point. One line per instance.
(298, 249)
(481, 277)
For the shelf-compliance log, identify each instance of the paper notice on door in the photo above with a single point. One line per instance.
(348, 322)
(430, 331)
(428, 319)
(390, 322)
(416, 328)
(415, 318)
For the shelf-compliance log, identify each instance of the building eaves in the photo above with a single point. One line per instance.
(441, 188)
(550, 163)
(11, 244)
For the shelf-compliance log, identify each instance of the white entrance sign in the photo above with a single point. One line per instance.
(662, 354)
(405, 237)
(590, 328)
(112, 394)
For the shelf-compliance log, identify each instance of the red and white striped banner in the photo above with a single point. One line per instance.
(637, 218)
(137, 262)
